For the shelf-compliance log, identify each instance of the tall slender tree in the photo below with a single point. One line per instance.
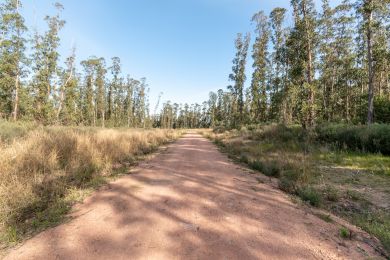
(238, 77)
(45, 66)
(12, 57)
(261, 63)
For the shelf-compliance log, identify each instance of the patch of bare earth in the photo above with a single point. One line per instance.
(191, 202)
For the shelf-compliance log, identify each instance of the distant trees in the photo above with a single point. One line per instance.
(52, 94)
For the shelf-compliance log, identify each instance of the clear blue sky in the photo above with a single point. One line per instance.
(183, 47)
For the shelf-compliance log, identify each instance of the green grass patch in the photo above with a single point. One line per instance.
(374, 163)
(344, 233)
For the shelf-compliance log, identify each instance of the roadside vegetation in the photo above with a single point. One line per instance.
(340, 168)
(45, 170)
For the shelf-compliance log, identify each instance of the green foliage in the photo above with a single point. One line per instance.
(377, 223)
(331, 194)
(310, 195)
(11, 131)
(374, 138)
(288, 182)
(268, 168)
(344, 233)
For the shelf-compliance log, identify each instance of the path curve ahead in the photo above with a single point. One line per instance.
(190, 202)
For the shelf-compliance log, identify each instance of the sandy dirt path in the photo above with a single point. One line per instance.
(191, 202)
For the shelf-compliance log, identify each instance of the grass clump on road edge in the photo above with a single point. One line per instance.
(48, 169)
(344, 233)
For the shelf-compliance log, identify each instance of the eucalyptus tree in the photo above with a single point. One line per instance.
(371, 12)
(212, 107)
(278, 108)
(89, 115)
(100, 96)
(45, 66)
(258, 106)
(12, 57)
(66, 110)
(112, 98)
(328, 57)
(301, 44)
(129, 100)
(238, 77)
(346, 84)
(66, 82)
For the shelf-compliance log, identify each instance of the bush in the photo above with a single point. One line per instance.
(331, 194)
(270, 168)
(256, 165)
(219, 129)
(374, 138)
(288, 182)
(280, 133)
(10, 131)
(310, 195)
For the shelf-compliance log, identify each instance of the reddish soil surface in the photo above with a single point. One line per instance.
(191, 202)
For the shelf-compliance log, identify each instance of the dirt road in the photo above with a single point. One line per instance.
(191, 202)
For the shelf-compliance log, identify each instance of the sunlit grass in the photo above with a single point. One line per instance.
(45, 170)
(374, 163)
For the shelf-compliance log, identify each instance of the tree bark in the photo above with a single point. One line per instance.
(16, 101)
(370, 113)
(311, 115)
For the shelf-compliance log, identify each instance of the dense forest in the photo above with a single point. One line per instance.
(330, 64)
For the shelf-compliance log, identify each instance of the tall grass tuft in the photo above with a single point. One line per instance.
(39, 169)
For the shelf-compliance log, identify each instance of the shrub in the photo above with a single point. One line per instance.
(331, 194)
(268, 168)
(310, 195)
(280, 133)
(287, 185)
(256, 165)
(374, 138)
(271, 169)
(219, 129)
(13, 130)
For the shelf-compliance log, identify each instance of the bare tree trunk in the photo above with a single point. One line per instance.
(370, 113)
(17, 79)
(16, 101)
(311, 114)
(103, 118)
(62, 94)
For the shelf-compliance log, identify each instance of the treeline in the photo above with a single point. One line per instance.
(35, 86)
(328, 65)
(331, 65)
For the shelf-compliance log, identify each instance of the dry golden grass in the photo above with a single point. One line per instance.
(41, 172)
